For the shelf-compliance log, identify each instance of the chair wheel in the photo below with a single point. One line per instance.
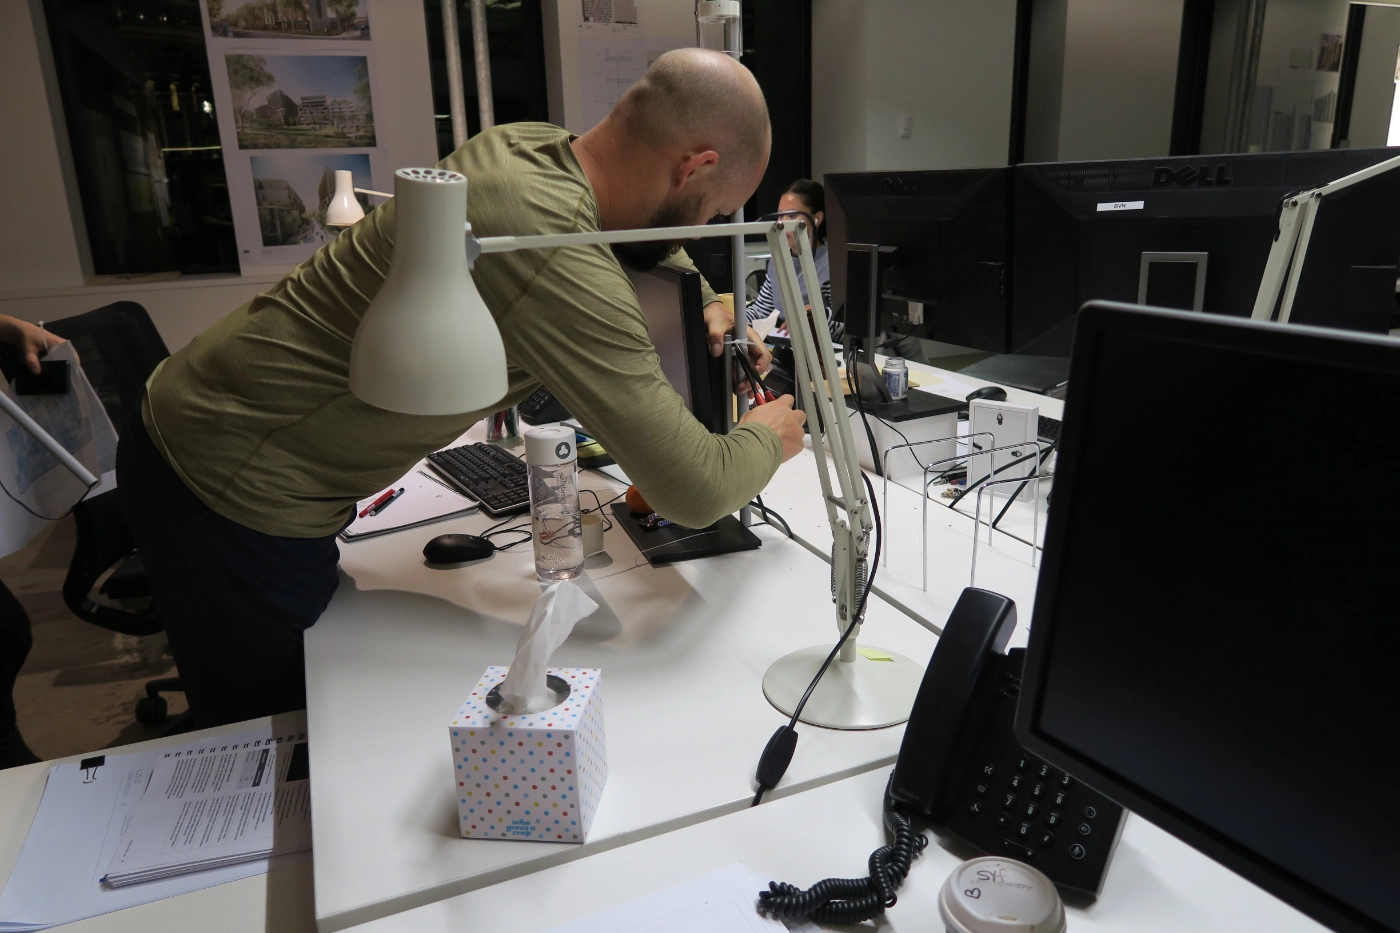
(151, 711)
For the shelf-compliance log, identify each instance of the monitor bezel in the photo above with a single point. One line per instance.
(1095, 319)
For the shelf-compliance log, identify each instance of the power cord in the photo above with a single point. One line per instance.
(769, 513)
(854, 900)
(11, 496)
(853, 373)
(777, 754)
(1012, 498)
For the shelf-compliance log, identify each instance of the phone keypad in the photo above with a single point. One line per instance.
(1029, 810)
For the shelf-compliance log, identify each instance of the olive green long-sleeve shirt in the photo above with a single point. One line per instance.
(256, 414)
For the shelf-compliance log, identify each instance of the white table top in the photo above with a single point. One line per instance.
(683, 650)
(1155, 883)
(279, 901)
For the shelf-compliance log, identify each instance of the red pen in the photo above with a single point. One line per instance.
(381, 506)
(383, 498)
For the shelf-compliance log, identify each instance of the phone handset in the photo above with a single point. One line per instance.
(953, 701)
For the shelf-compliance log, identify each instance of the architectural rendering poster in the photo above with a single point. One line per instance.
(293, 84)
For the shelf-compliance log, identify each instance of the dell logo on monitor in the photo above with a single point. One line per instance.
(1202, 177)
(894, 184)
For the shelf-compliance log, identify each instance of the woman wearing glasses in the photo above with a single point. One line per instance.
(804, 200)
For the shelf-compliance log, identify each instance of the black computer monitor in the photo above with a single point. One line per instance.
(948, 234)
(1215, 636)
(674, 309)
(1188, 232)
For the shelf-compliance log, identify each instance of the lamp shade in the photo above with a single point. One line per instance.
(427, 344)
(345, 208)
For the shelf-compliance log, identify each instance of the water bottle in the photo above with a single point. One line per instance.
(551, 459)
(896, 378)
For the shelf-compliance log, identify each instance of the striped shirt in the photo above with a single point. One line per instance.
(769, 299)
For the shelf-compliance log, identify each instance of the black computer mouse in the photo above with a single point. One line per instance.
(454, 549)
(990, 393)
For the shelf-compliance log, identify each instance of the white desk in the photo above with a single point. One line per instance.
(1155, 883)
(683, 650)
(278, 901)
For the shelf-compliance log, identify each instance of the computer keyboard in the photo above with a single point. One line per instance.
(487, 473)
(1048, 429)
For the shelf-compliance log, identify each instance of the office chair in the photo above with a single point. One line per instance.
(119, 348)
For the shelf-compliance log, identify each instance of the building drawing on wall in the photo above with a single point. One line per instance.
(281, 109)
(281, 212)
(292, 190)
(313, 110)
(301, 101)
(291, 19)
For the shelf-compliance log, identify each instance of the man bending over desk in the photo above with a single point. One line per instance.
(250, 452)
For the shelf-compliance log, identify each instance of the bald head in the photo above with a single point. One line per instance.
(699, 99)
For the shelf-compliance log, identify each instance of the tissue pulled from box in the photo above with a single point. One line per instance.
(555, 613)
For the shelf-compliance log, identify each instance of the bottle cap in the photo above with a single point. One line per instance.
(1000, 895)
(550, 445)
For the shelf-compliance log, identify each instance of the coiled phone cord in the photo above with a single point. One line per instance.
(853, 900)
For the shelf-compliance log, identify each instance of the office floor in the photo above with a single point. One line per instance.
(78, 689)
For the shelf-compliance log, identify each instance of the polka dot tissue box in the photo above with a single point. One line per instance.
(534, 776)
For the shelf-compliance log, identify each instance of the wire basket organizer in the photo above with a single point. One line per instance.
(982, 486)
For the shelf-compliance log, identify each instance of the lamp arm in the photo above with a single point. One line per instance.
(371, 191)
(507, 244)
(816, 374)
(11, 408)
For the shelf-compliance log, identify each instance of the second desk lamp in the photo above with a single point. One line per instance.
(428, 345)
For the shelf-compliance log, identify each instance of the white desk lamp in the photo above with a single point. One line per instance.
(428, 345)
(345, 209)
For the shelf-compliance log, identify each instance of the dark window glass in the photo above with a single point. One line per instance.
(134, 80)
(515, 31)
(778, 49)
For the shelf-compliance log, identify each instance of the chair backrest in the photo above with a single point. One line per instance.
(119, 348)
(103, 540)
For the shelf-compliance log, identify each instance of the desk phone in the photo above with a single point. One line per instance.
(961, 768)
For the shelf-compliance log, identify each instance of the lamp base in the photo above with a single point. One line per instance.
(860, 694)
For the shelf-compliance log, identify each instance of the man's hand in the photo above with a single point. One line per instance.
(780, 416)
(32, 341)
(720, 324)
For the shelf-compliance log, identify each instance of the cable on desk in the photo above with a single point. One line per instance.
(853, 375)
(607, 522)
(496, 529)
(1006, 466)
(1043, 457)
(777, 754)
(769, 513)
(853, 900)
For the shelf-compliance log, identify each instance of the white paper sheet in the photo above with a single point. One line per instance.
(225, 803)
(81, 819)
(721, 902)
(426, 499)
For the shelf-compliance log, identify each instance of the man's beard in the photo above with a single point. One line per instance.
(643, 257)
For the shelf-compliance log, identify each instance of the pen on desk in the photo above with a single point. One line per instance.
(384, 497)
(385, 503)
